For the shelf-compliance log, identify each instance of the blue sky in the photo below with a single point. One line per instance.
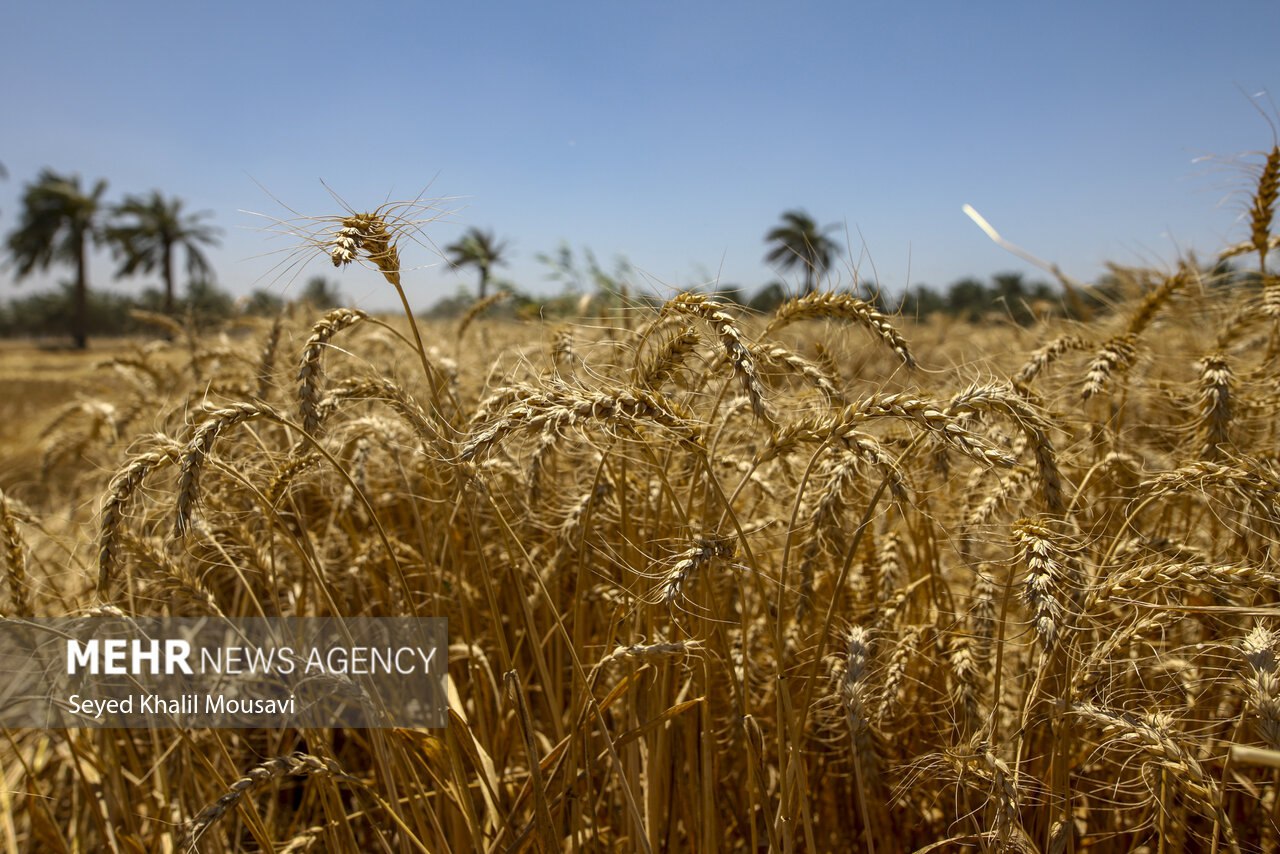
(671, 133)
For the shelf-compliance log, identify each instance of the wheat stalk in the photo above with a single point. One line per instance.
(556, 409)
(726, 328)
(1115, 356)
(1150, 733)
(811, 371)
(311, 370)
(1051, 573)
(845, 307)
(1263, 208)
(120, 491)
(1046, 356)
(667, 359)
(1212, 426)
(477, 308)
(15, 557)
(929, 415)
(197, 450)
(1259, 651)
(687, 564)
(295, 764)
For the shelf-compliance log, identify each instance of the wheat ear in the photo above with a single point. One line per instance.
(296, 764)
(399, 400)
(477, 308)
(311, 371)
(1150, 734)
(1151, 305)
(1214, 417)
(15, 556)
(1046, 356)
(1115, 356)
(558, 408)
(667, 359)
(1263, 208)
(726, 328)
(120, 492)
(654, 651)
(197, 451)
(1004, 400)
(1259, 650)
(845, 307)
(367, 234)
(929, 415)
(1051, 573)
(267, 360)
(1141, 580)
(687, 565)
(796, 363)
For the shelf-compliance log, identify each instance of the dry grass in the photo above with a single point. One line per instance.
(710, 586)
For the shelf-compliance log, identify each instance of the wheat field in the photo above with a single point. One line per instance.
(822, 580)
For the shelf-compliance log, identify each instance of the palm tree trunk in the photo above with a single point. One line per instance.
(80, 301)
(808, 279)
(168, 278)
(484, 281)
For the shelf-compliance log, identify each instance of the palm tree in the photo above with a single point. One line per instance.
(58, 222)
(150, 239)
(798, 242)
(479, 249)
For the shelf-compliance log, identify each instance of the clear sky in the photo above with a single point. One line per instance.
(672, 133)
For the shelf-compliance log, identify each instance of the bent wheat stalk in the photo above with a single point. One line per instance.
(845, 307)
(1151, 734)
(15, 556)
(736, 350)
(120, 491)
(197, 450)
(311, 371)
(296, 764)
(555, 409)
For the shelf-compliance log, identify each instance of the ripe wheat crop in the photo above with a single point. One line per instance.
(813, 581)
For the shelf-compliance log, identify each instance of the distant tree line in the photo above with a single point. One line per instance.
(62, 220)
(107, 313)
